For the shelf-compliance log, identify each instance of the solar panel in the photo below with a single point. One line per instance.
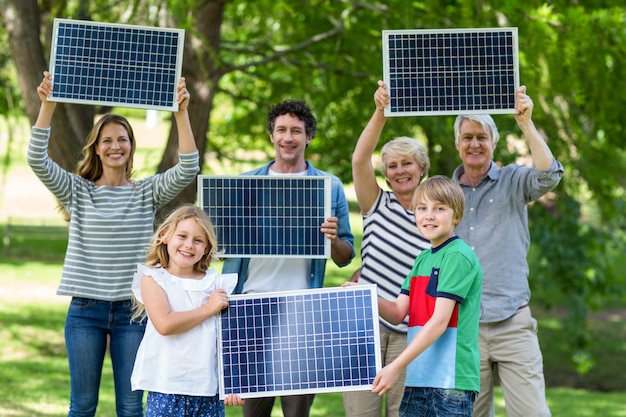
(115, 64)
(269, 216)
(299, 342)
(450, 71)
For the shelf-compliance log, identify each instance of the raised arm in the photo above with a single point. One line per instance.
(46, 111)
(539, 149)
(363, 173)
(186, 141)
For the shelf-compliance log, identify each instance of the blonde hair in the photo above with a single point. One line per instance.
(403, 147)
(442, 190)
(90, 166)
(157, 252)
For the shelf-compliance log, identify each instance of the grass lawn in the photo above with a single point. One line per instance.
(33, 365)
(34, 376)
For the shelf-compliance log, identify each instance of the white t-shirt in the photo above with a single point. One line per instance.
(184, 363)
(277, 274)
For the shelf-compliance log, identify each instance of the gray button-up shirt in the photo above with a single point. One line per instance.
(495, 225)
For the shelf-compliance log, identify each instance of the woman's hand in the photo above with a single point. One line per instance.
(182, 94)
(45, 88)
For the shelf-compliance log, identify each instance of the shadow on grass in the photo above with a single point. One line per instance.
(34, 376)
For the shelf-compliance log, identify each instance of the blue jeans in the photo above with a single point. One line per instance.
(436, 402)
(89, 325)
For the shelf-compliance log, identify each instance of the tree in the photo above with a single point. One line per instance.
(71, 122)
(242, 56)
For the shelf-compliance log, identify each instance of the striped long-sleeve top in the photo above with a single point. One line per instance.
(391, 242)
(110, 227)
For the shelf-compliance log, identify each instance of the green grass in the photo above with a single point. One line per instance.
(34, 377)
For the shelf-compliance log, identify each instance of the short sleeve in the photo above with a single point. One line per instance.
(138, 276)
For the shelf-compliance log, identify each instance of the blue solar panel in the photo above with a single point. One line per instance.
(451, 71)
(115, 64)
(299, 342)
(271, 216)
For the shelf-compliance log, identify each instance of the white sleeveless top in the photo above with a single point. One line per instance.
(184, 363)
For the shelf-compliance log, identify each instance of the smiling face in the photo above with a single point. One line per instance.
(185, 247)
(403, 174)
(114, 146)
(435, 221)
(475, 146)
(289, 139)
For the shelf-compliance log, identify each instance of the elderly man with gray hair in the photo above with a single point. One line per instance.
(495, 225)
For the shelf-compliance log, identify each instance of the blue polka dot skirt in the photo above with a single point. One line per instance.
(175, 405)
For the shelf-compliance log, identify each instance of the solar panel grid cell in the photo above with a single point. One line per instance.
(267, 216)
(289, 343)
(124, 65)
(437, 72)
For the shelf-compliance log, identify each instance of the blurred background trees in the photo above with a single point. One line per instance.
(242, 56)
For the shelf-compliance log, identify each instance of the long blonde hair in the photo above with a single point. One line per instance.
(90, 166)
(157, 253)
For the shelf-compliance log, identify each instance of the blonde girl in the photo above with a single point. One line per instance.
(177, 359)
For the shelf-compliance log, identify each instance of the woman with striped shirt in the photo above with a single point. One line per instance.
(111, 220)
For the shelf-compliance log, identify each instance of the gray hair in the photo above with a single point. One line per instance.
(485, 121)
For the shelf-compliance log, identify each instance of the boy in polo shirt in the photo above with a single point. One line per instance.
(441, 295)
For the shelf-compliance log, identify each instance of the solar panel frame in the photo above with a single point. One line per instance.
(267, 215)
(109, 64)
(433, 72)
(299, 342)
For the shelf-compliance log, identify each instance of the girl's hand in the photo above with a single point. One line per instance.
(232, 399)
(218, 301)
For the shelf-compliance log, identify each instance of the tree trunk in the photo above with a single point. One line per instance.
(202, 76)
(71, 123)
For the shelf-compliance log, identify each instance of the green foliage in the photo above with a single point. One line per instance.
(23, 241)
(328, 52)
(33, 371)
(325, 74)
(573, 265)
(10, 100)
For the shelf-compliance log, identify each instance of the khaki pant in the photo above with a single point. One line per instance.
(511, 349)
(366, 404)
